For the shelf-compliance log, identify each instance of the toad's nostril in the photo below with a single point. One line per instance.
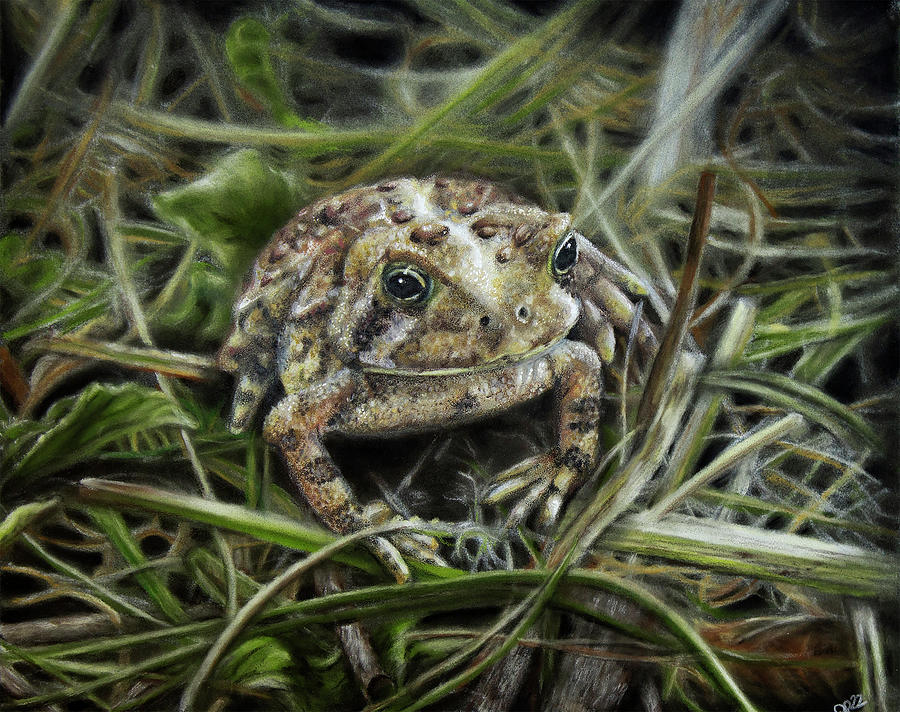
(523, 313)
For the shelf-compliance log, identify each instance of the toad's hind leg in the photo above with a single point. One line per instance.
(297, 426)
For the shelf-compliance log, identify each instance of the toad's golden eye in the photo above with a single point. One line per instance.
(406, 283)
(565, 255)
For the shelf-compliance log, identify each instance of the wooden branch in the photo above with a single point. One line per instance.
(666, 360)
(376, 684)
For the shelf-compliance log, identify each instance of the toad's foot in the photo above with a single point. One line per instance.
(481, 548)
(391, 549)
(545, 479)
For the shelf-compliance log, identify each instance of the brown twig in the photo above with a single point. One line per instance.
(12, 379)
(65, 629)
(664, 364)
(376, 684)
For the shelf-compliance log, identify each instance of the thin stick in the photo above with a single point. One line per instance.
(667, 356)
(12, 378)
(375, 682)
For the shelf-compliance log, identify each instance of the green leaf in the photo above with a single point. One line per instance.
(24, 272)
(78, 428)
(792, 395)
(248, 48)
(296, 673)
(201, 304)
(233, 210)
(259, 663)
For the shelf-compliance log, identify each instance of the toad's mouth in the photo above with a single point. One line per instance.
(496, 363)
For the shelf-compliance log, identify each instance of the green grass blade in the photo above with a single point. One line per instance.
(113, 600)
(817, 406)
(819, 360)
(19, 519)
(728, 458)
(777, 339)
(151, 581)
(506, 64)
(759, 553)
(754, 505)
(263, 526)
(173, 363)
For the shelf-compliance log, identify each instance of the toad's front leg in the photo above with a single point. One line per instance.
(551, 477)
(297, 426)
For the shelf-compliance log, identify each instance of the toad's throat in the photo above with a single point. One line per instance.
(499, 362)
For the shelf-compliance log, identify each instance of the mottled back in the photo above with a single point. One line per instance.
(335, 287)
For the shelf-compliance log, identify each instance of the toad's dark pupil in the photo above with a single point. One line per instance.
(566, 256)
(403, 286)
(406, 285)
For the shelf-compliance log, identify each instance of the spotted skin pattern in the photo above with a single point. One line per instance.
(319, 315)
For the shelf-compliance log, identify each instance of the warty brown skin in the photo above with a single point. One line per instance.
(321, 316)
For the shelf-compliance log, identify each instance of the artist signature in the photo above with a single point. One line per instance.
(854, 703)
